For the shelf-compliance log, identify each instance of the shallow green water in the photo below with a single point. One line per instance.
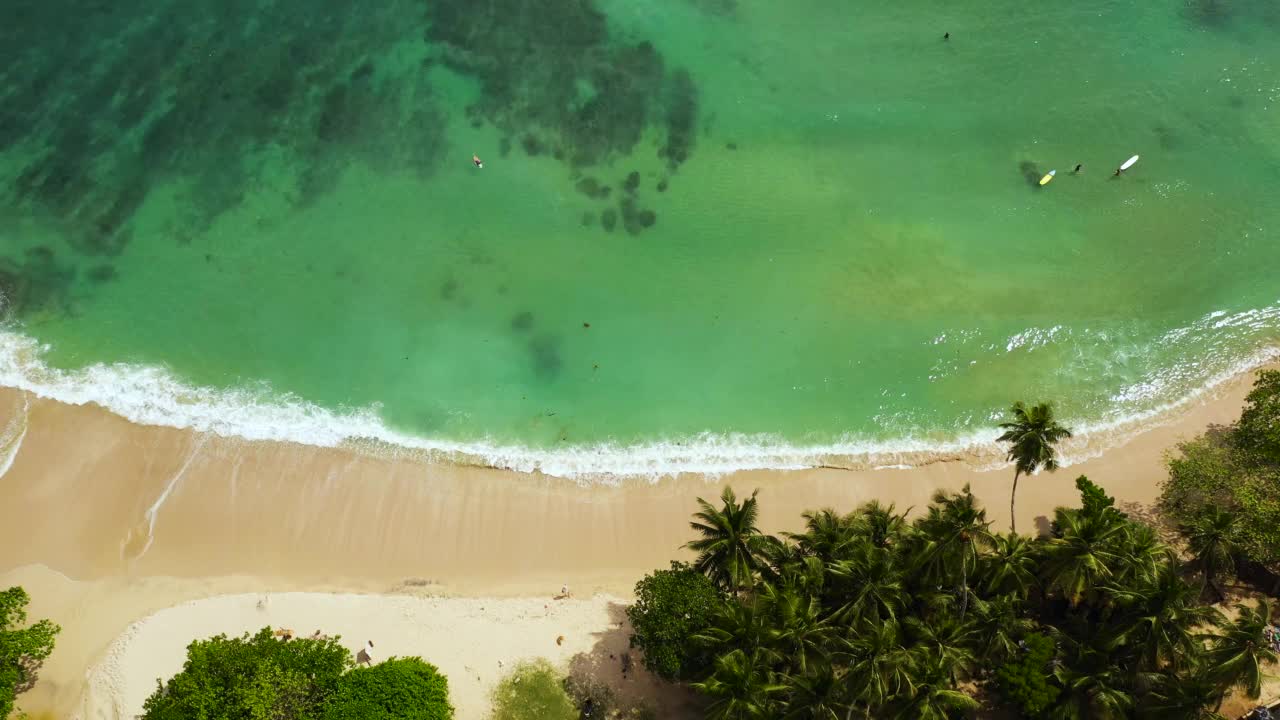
(848, 249)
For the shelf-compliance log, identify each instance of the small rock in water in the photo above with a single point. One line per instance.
(532, 145)
(588, 186)
(609, 219)
(633, 182)
(522, 321)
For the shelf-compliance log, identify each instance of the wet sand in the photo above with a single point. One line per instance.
(105, 521)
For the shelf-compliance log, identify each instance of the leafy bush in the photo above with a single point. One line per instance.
(1235, 469)
(22, 650)
(671, 607)
(1093, 499)
(533, 691)
(258, 677)
(1024, 681)
(1258, 431)
(262, 677)
(397, 689)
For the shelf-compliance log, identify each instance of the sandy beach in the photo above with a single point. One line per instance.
(106, 523)
(473, 641)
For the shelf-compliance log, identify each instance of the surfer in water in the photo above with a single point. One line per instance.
(1077, 170)
(1127, 164)
(476, 159)
(946, 36)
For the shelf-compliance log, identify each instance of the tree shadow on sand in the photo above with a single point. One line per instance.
(612, 663)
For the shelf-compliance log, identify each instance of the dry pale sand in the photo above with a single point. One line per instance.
(474, 642)
(147, 517)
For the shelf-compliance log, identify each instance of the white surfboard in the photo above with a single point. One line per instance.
(1129, 163)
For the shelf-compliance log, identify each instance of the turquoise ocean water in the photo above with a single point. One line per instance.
(708, 233)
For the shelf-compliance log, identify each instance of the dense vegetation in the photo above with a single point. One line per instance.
(533, 691)
(866, 614)
(869, 614)
(536, 690)
(1224, 489)
(22, 649)
(262, 677)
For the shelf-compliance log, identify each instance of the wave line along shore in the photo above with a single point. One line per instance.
(153, 396)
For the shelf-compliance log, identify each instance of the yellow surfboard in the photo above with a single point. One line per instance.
(1047, 178)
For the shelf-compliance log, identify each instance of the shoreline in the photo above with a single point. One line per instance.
(151, 517)
(151, 396)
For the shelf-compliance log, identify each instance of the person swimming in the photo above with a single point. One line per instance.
(476, 159)
(946, 36)
(1077, 170)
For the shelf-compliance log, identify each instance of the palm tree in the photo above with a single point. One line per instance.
(880, 524)
(868, 588)
(1236, 656)
(1191, 696)
(936, 701)
(954, 531)
(1010, 567)
(731, 544)
(813, 695)
(1211, 537)
(1159, 620)
(1093, 686)
(743, 688)
(775, 557)
(1003, 622)
(880, 668)
(1141, 552)
(736, 624)
(1032, 435)
(946, 642)
(1081, 558)
(826, 534)
(796, 631)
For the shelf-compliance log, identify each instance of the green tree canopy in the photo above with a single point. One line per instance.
(1258, 431)
(397, 689)
(1227, 473)
(263, 677)
(22, 649)
(258, 677)
(671, 607)
(866, 615)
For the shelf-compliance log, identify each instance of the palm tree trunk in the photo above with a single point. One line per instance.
(1012, 497)
(1217, 589)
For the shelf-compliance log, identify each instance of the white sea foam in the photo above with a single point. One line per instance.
(154, 396)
